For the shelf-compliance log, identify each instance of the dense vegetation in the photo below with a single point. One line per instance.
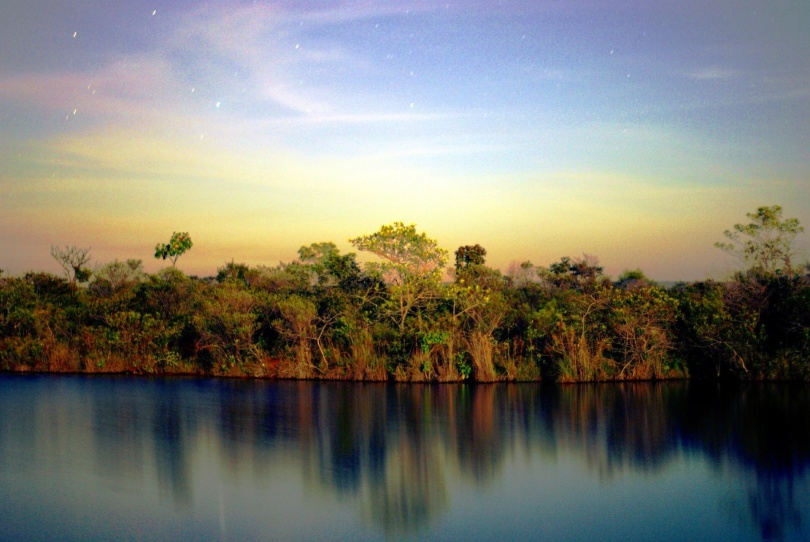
(326, 316)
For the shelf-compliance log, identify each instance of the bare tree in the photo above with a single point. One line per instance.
(73, 260)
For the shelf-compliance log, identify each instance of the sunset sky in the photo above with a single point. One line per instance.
(633, 130)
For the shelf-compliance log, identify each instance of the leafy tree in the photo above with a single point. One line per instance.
(173, 299)
(478, 306)
(50, 288)
(468, 255)
(580, 274)
(297, 323)
(179, 243)
(632, 279)
(579, 339)
(226, 323)
(318, 254)
(239, 272)
(412, 266)
(73, 260)
(766, 243)
(641, 318)
(328, 266)
(407, 254)
(116, 276)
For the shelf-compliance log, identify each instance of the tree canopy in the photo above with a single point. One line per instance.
(766, 243)
(407, 254)
(412, 266)
(179, 243)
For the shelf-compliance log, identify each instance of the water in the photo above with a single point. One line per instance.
(117, 458)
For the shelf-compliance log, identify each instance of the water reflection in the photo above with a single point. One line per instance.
(402, 459)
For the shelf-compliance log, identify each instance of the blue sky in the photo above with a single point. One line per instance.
(635, 131)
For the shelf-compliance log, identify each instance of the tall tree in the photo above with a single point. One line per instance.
(766, 243)
(412, 265)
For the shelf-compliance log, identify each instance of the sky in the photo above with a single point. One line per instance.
(636, 131)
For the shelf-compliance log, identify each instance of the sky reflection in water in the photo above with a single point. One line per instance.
(124, 458)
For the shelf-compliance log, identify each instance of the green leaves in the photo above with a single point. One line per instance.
(408, 255)
(177, 246)
(766, 243)
(412, 265)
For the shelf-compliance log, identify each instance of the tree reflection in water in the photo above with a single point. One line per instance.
(394, 449)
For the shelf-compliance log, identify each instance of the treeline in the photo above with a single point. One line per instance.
(326, 316)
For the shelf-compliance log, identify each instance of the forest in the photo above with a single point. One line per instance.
(407, 316)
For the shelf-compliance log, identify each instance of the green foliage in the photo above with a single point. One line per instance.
(581, 274)
(326, 316)
(226, 324)
(17, 305)
(408, 256)
(640, 325)
(412, 266)
(579, 342)
(468, 255)
(726, 326)
(178, 245)
(297, 323)
(631, 279)
(464, 366)
(432, 338)
(116, 277)
(766, 243)
(236, 272)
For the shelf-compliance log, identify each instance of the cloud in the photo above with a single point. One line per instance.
(140, 86)
(713, 74)
(273, 46)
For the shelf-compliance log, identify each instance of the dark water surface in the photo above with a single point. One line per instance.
(115, 458)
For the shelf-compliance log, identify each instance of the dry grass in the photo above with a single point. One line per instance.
(644, 351)
(299, 365)
(480, 348)
(578, 359)
(60, 358)
(365, 363)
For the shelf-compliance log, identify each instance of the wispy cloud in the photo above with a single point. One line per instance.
(273, 46)
(713, 74)
(141, 85)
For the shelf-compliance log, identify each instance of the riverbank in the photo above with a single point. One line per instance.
(302, 321)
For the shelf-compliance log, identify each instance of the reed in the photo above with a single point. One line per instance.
(578, 359)
(480, 348)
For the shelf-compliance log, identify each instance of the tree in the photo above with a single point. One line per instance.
(239, 272)
(325, 262)
(116, 277)
(477, 305)
(73, 260)
(412, 265)
(766, 243)
(580, 274)
(468, 255)
(407, 254)
(631, 279)
(521, 274)
(177, 246)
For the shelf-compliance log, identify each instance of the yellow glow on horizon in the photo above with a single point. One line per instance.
(123, 191)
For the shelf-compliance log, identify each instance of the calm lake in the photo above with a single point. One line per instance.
(122, 458)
